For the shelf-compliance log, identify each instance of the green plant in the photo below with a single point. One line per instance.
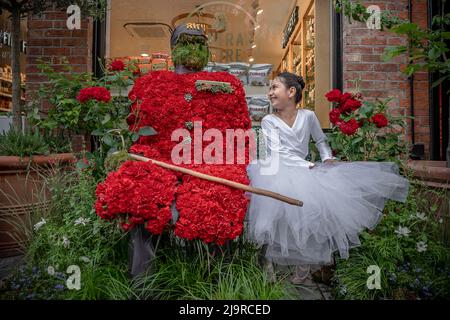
(196, 271)
(18, 10)
(370, 143)
(17, 143)
(409, 248)
(66, 114)
(105, 120)
(70, 233)
(427, 49)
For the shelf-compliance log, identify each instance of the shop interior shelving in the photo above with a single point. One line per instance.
(300, 56)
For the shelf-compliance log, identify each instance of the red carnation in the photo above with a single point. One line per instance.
(380, 120)
(350, 105)
(140, 192)
(99, 94)
(334, 95)
(335, 116)
(349, 127)
(117, 65)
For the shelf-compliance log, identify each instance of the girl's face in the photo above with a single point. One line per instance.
(281, 96)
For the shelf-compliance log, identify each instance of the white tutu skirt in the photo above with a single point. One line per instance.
(339, 201)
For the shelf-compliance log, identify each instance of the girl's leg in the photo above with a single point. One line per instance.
(302, 274)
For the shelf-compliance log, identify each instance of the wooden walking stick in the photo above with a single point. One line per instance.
(226, 182)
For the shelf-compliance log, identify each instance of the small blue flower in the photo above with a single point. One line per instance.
(59, 287)
(15, 286)
(392, 278)
(417, 282)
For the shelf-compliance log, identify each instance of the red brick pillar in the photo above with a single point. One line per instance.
(363, 49)
(49, 39)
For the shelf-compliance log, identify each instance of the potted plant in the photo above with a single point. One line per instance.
(23, 158)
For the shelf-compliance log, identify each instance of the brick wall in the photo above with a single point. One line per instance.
(49, 39)
(377, 79)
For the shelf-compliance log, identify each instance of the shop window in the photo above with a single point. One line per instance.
(246, 37)
(5, 61)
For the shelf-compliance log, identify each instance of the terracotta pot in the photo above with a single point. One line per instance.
(22, 193)
(432, 173)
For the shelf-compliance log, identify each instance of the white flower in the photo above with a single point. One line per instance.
(421, 246)
(82, 221)
(51, 271)
(85, 259)
(66, 242)
(38, 225)
(441, 220)
(402, 231)
(421, 216)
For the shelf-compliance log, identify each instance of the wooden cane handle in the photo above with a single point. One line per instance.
(226, 182)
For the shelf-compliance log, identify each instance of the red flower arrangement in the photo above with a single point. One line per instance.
(380, 120)
(139, 191)
(208, 211)
(99, 94)
(167, 101)
(117, 65)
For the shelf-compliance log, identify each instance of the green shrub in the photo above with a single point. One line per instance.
(414, 261)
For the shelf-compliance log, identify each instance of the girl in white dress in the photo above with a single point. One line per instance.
(340, 198)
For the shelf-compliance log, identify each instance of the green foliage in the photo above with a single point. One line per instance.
(426, 49)
(196, 271)
(66, 112)
(113, 161)
(72, 235)
(17, 143)
(409, 270)
(105, 121)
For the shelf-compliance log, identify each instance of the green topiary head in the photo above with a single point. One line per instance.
(191, 51)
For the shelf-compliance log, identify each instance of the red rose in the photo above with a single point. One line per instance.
(117, 65)
(334, 95)
(380, 120)
(350, 105)
(345, 97)
(349, 127)
(99, 94)
(335, 116)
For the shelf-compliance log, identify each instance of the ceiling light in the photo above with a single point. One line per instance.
(251, 59)
(253, 45)
(259, 11)
(257, 27)
(144, 55)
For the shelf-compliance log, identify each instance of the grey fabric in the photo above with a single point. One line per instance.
(140, 250)
(183, 29)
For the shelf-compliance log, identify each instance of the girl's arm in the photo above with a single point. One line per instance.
(320, 139)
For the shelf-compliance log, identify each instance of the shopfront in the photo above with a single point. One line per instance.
(252, 39)
(5, 61)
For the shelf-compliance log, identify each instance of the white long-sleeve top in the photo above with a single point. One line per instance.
(292, 143)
